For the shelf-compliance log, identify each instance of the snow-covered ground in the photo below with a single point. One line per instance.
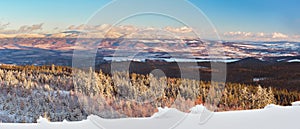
(272, 117)
(296, 103)
(295, 60)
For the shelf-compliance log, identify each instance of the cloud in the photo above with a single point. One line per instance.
(255, 36)
(93, 28)
(29, 29)
(295, 38)
(103, 28)
(239, 34)
(126, 28)
(130, 31)
(22, 36)
(179, 29)
(72, 27)
(277, 35)
(4, 26)
(25, 29)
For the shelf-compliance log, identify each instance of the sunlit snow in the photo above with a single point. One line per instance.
(271, 117)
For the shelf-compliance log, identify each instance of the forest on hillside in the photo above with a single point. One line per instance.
(59, 92)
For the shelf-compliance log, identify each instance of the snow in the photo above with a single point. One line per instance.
(42, 120)
(271, 117)
(197, 109)
(201, 60)
(295, 60)
(121, 59)
(272, 106)
(296, 103)
(141, 59)
(259, 79)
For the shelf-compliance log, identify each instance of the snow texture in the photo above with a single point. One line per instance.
(296, 103)
(295, 60)
(271, 117)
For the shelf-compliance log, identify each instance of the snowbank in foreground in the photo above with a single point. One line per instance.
(296, 103)
(272, 117)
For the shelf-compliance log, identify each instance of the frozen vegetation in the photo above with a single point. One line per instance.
(27, 92)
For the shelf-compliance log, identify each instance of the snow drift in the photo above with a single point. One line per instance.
(271, 117)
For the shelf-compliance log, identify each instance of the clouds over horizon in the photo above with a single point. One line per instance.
(259, 36)
(3, 25)
(25, 29)
(30, 28)
(131, 31)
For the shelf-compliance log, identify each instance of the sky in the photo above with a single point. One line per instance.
(232, 18)
(253, 15)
